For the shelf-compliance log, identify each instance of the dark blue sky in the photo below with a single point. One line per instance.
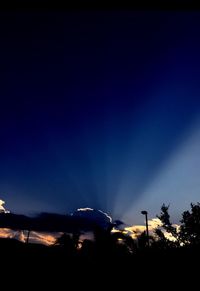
(93, 106)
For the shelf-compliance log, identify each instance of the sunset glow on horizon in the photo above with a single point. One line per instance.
(48, 238)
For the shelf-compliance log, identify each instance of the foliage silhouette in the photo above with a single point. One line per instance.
(188, 233)
(190, 226)
(142, 240)
(113, 243)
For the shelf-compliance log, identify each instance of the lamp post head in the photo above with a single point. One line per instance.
(144, 212)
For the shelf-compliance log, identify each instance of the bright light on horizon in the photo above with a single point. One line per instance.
(2, 208)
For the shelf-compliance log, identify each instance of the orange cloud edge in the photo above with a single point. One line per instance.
(50, 238)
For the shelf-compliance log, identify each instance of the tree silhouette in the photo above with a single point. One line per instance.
(161, 242)
(190, 226)
(87, 249)
(66, 242)
(123, 243)
(112, 243)
(142, 240)
(166, 223)
(169, 228)
(189, 232)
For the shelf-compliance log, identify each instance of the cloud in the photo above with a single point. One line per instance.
(49, 238)
(98, 217)
(35, 237)
(9, 233)
(46, 227)
(49, 222)
(135, 230)
(43, 237)
(2, 209)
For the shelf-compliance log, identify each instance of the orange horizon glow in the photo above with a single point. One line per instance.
(48, 239)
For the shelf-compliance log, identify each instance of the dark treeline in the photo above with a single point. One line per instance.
(114, 250)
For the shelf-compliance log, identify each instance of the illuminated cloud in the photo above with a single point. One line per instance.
(48, 237)
(35, 237)
(84, 209)
(2, 209)
(43, 238)
(8, 233)
(97, 216)
(108, 216)
(135, 230)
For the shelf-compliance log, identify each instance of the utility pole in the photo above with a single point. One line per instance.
(27, 238)
(144, 212)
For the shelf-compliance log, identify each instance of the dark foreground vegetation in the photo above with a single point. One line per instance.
(112, 253)
(54, 265)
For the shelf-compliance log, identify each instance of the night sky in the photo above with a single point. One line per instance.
(100, 109)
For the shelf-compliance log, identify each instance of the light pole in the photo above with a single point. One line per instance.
(144, 212)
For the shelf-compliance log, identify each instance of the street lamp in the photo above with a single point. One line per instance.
(144, 212)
